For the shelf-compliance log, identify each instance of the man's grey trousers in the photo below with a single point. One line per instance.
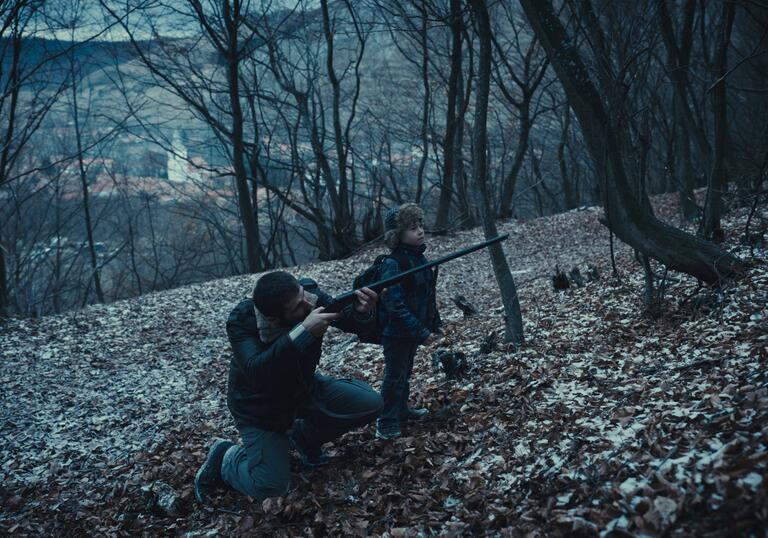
(260, 466)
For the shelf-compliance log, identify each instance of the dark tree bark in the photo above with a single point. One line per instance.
(467, 217)
(9, 124)
(232, 52)
(513, 321)
(527, 83)
(95, 274)
(570, 187)
(683, 170)
(4, 298)
(713, 209)
(343, 222)
(450, 141)
(426, 104)
(510, 180)
(677, 68)
(625, 215)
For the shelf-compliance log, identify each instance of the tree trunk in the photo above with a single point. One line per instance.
(466, 206)
(425, 105)
(683, 170)
(625, 216)
(570, 188)
(10, 125)
(344, 227)
(247, 210)
(84, 184)
(5, 301)
(677, 66)
(57, 283)
(508, 189)
(513, 321)
(449, 143)
(713, 209)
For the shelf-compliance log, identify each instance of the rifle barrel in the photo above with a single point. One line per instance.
(379, 285)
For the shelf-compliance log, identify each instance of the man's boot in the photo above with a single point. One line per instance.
(208, 477)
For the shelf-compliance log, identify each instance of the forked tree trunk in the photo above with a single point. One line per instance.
(344, 226)
(625, 216)
(510, 181)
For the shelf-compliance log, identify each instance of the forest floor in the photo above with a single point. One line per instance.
(608, 421)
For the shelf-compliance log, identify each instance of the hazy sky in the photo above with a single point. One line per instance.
(170, 18)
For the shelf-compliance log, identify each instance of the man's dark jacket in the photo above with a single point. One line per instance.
(268, 382)
(409, 310)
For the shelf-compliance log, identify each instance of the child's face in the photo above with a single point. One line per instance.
(414, 236)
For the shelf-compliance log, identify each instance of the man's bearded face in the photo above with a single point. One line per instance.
(297, 309)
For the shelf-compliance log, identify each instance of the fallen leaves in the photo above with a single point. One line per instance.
(605, 421)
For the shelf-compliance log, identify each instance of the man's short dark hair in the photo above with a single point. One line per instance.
(273, 291)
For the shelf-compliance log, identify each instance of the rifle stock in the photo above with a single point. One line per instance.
(346, 298)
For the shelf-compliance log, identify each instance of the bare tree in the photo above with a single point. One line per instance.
(291, 61)
(677, 68)
(75, 76)
(451, 142)
(678, 59)
(177, 69)
(713, 208)
(526, 84)
(570, 179)
(344, 221)
(21, 111)
(625, 215)
(513, 320)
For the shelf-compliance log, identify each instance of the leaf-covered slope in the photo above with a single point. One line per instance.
(606, 419)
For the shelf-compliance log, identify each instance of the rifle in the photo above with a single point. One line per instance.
(344, 299)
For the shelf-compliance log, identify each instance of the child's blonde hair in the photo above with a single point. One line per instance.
(399, 219)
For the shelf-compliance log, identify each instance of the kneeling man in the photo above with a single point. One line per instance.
(273, 392)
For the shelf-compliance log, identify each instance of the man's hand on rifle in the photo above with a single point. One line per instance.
(365, 300)
(317, 322)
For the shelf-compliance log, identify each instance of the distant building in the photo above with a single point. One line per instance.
(178, 161)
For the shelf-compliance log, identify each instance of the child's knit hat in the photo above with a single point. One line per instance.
(399, 219)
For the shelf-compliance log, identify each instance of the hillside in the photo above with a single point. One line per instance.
(605, 420)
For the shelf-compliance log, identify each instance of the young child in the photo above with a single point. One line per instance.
(408, 313)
